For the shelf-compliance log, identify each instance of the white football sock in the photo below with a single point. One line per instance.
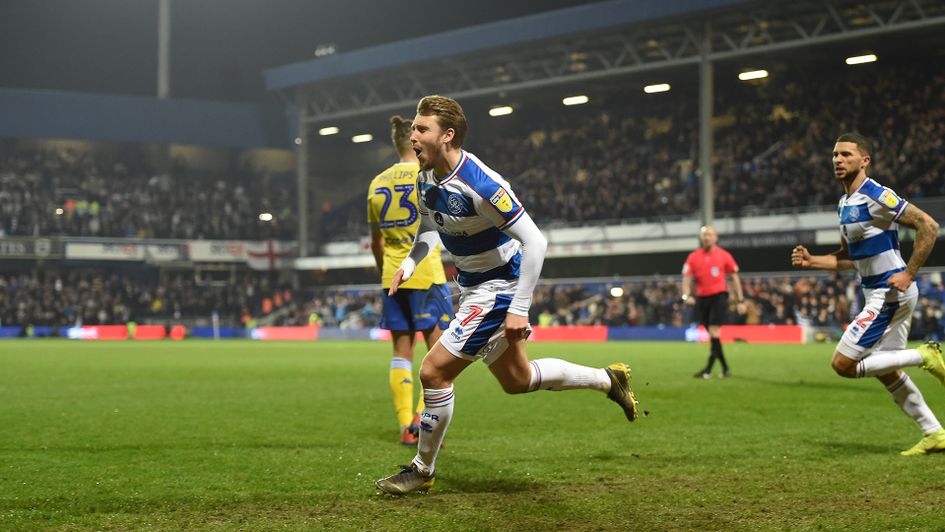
(882, 362)
(910, 400)
(435, 418)
(556, 374)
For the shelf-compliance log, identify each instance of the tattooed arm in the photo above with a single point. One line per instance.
(926, 231)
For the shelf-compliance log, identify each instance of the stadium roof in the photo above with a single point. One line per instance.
(506, 33)
(581, 43)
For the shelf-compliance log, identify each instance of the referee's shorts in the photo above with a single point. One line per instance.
(712, 310)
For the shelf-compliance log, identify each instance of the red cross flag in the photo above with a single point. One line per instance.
(269, 255)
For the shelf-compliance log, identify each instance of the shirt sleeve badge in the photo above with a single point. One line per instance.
(501, 200)
(889, 199)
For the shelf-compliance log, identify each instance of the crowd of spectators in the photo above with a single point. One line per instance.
(88, 296)
(623, 157)
(827, 302)
(631, 159)
(343, 308)
(69, 193)
(900, 108)
(784, 300)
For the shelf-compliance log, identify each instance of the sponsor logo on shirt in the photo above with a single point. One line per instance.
(501, 200)
(889, 199)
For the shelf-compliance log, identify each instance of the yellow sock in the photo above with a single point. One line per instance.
(401, 387)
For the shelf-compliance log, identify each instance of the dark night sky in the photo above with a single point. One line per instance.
(219, 48)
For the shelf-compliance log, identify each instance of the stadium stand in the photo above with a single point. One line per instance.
(785, 299)
(622, 159)
(613, 161)
(120, 198)
(86, 295)
(66, 297)
(631, 159)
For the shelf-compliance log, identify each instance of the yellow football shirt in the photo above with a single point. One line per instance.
(392, 209)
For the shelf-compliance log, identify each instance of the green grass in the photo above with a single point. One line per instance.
(259, 436)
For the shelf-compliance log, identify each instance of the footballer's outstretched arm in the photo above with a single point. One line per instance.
(427, 238)
(837, 261)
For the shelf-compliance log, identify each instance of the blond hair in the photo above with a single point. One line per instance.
(448, 114)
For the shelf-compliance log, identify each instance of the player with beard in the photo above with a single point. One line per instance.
(874, 344)
(498, 252)
(423, 302)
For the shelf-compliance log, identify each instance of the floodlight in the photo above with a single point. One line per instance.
(659, 87)
(575, 100)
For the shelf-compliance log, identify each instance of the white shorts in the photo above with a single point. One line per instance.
(882, 325)
(478, 330)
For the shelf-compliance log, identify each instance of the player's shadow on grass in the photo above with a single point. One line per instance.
(610, 456)
(488, 480)
(850, 386)
(854, 447)
(387, 437)
(495, 484)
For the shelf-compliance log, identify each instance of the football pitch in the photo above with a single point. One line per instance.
(258, 436)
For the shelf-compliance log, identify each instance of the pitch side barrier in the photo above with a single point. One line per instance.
(97, 332)
(790, 334)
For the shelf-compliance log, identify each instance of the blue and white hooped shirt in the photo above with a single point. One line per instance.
(470, 208)
(868, 219)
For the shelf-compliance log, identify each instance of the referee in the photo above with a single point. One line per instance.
(709, 265)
